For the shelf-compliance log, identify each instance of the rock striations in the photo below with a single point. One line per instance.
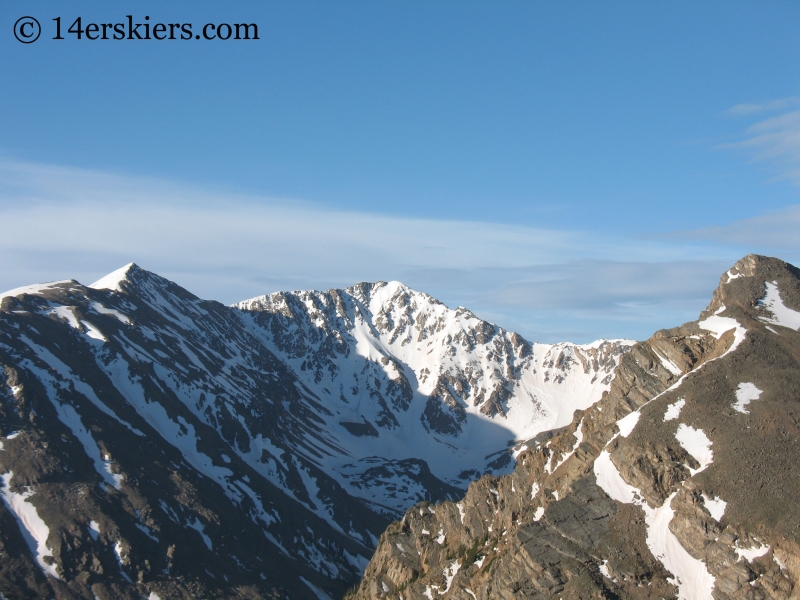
(682, 481)
(153, 444)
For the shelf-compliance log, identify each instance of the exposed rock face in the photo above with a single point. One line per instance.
(155, 444)
(682, 481)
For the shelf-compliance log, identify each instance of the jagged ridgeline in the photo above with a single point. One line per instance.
(682, 481)
(157, 445)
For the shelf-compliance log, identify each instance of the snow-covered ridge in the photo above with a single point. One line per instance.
(427, 380)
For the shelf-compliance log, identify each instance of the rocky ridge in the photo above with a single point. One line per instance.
(156, 444)
(681, 481)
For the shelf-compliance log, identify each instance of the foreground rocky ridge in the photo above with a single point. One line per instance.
(682, 481)
(155, 444)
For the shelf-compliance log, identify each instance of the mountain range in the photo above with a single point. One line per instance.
(156, 445)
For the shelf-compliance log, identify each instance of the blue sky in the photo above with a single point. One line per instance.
(567, 170)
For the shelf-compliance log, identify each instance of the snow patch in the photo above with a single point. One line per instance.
(627, 423)
(674, 410)
(440, 539)
(198, 527)
(609, 479)
(65, 313)
(668, 364)
(604, 570)
(745, 393)
(779, 562)
(118, 549)
(696, 443)
(578, 441)
(781, 314)
(732, 276)
(720, 325)
(33, 528)
(93, 332)
(750, 554)
(111, 312)
(449, 574)
(715, 506)
(69, 416)
(94, 529)
(538, 514)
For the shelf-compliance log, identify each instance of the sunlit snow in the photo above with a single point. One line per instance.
(715, 506)
(696, 443)
(750, 554)
(113, 280)
(781, 314)
(720, 325)
(627, 423)
(694, 580)
(745, 393)
(37, 288)
(674, 410)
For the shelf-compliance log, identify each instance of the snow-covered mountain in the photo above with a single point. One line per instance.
(156, 443)
(404, 377)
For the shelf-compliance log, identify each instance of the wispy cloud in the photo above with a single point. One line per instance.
(776, 232)
(774, 140)
(747, 109)
(549, 284)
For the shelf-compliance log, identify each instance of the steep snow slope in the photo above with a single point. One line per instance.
(406, 377)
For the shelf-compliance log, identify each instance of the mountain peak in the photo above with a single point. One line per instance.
(743, 287)
(113, 281)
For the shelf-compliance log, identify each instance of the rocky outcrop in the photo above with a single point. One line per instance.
(681, 481)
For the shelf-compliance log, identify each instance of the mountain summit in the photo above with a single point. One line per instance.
(156, 444)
